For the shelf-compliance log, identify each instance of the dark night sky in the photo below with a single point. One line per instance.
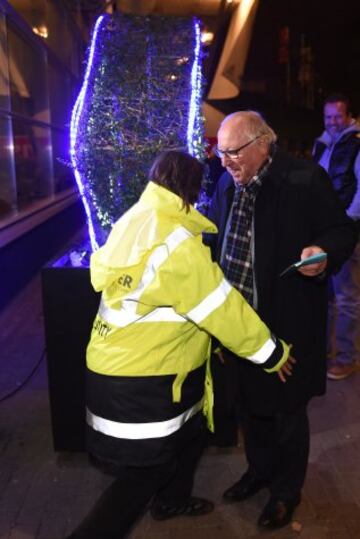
(331, 28)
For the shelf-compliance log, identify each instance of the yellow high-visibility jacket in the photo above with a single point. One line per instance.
(162, 299)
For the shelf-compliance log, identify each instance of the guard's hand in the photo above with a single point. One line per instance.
(286, 369)
(220, 355)
(312, 269)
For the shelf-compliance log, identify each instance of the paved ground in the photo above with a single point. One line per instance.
(43, 495)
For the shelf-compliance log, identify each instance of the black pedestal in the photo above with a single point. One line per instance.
(70, 305)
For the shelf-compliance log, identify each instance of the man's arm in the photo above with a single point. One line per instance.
(353, 210)
(333, 231)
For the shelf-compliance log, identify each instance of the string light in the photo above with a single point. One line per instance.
(195, 97)
(181, 61)
(74, 126)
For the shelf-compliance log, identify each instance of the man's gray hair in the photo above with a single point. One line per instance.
(253, 125)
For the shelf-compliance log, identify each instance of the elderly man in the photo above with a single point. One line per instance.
(338, 152)
(272, 210)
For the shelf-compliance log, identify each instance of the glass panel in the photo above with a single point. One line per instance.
(7, 171)
(33, 162)
(60, 96)
(27, 78)
(49, 20)
(64, 36)
(33, 11)
(60, 38)
(4, 71)
(63, 173)
(76, 55)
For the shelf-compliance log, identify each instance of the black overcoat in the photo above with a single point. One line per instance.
(296, 207)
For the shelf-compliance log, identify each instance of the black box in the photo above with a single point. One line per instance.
(70, 305)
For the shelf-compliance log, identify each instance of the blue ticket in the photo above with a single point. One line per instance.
(314, 259)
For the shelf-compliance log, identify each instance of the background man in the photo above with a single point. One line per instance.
(338, 152)
(272, 209)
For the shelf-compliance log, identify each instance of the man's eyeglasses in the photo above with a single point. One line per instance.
(234, 154)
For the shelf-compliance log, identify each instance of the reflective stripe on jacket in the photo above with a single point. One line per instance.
(162, 299)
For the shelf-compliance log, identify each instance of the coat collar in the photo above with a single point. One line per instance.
(276, 172)
(169, 204)
(326, 139)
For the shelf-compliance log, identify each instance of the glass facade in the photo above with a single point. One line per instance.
(51, 21)
(40, 53)
(8, 200)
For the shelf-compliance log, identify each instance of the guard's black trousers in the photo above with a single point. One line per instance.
(126, 499)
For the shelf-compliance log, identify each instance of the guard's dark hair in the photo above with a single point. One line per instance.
(335, 97)
(180, 173)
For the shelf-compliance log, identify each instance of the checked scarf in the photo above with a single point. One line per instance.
(237, 262)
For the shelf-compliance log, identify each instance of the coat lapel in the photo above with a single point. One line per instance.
(267, 215)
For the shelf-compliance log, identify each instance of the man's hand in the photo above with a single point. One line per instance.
(286, 369)
(312, 269)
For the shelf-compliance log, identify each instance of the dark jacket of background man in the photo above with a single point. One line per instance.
(337, 151)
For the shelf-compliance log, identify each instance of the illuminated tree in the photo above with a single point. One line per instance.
(141, 94)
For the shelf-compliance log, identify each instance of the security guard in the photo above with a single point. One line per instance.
(148, 376)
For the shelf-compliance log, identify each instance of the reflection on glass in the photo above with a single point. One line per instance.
(33, 162)
(63, 173)
(33, 11)
(7, 172)
(60, 96)
(36, 97)
(63, 38)
(4, 71)
(59, 32)
(51, 21)
(28, 88)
